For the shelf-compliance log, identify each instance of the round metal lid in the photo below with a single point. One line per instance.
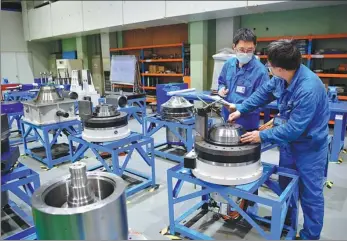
(177, 102)
(226, 134)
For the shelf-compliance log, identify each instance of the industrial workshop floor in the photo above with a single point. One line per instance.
(148, 211)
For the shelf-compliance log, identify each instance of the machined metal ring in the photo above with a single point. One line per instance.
(220, 164)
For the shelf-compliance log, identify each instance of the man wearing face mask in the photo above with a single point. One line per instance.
(241, 76)
(301, 130)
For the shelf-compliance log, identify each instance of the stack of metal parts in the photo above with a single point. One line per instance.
(49, 107)
(220, 157)
(81, 206)
(176, 109)
(9, 155)
(106, 123)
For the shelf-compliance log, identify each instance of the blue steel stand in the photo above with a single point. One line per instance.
(19, 95)
(16, 117)
(22, 182)
(155, 123)
(279, 206)
(69, 127)
(127, 145)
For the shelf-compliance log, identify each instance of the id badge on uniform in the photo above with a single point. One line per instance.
(240, 89)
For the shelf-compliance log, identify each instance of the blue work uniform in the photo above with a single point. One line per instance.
(303, 137)
(241, 83)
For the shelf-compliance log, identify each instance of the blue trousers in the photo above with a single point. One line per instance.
(310, 165)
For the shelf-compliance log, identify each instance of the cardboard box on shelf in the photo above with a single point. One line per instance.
(161, 69)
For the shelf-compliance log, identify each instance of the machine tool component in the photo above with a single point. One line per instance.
(82, 86)
(49, 107)
(219, 157)
(81, 206)
(106, 123)
(176, 109)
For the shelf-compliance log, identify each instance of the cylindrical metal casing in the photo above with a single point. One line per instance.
(105, 219)
(171, 138)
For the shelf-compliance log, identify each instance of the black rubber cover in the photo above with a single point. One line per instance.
(240, 154)
(189, 162)
(116, 121)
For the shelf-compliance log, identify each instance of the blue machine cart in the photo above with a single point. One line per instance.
(155, 123)
(279, 205)
(21, 182)
(50, 153)
(127, 145)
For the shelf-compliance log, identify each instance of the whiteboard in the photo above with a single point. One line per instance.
(123, 69)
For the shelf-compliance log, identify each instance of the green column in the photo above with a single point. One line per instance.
(68, 44)
(119, 39)
(82, 52)
(198, 39)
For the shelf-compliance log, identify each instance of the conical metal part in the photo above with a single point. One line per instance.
(48, 94)
(80, 193)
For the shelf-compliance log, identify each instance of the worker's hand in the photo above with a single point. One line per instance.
(252, 137)
(234, 115)
(223, 92)
(231, 108)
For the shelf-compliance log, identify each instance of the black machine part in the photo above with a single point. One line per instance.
(62, 114)
(118, 120)
(5, 134)
(117, 100)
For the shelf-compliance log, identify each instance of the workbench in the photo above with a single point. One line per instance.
(337, 109)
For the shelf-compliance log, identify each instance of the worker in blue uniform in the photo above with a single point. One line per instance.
(302, 131)
(241, 76)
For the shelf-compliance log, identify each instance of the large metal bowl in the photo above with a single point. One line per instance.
(225, 134)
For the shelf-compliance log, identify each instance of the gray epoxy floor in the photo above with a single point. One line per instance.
(148, 211)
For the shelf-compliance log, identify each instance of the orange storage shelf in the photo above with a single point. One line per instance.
(151, 99)
(160, 60)
(341, 97)
(130, 86)
(147, 47)
(169, 75)
(329, 56)
(305, 56)
(332, 75)
(325, 36)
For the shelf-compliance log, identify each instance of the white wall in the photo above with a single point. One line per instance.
(66, 18)
(20, 61)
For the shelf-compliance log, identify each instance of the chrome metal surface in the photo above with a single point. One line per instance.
(220, 164)
(172, 138)
(48, 94)
(80, 193)
(177, 102)
(176, 108)
(104, 219)
(105, 110)
(226, 134)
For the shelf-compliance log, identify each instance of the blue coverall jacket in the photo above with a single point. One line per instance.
(303, 139)
(242, 82)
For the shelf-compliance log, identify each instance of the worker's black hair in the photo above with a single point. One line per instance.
(244, 34)
(284, 54)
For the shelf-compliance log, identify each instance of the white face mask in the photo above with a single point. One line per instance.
(244, 58)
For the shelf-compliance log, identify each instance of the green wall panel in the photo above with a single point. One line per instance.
(322, 20)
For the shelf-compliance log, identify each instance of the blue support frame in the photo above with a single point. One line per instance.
(155, 123)
(127, 145)
(279, 206)
(22, 182)
(16, 117)
(72, 127)
(19, 95)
